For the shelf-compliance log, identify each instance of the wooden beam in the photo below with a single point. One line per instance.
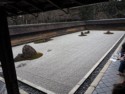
(34, 5)
(57, 6)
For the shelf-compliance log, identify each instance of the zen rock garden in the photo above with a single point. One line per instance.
(28, 53)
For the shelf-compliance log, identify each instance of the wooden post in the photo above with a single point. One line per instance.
(6, 56)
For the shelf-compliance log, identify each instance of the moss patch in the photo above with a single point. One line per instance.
(38, 55)
(42, 40)
(83, 35)
(35, 56)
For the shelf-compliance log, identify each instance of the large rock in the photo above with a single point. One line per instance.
(82, 34)
(19, 57)
(87, 32)
(108, 32)
(28, 51)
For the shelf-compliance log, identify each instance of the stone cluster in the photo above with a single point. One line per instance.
(27, 53)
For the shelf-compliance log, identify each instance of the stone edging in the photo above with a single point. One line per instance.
(100, 75)
(93, 68)
(35, 86)
(21, 91)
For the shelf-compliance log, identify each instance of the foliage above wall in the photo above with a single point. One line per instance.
(108, 10)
